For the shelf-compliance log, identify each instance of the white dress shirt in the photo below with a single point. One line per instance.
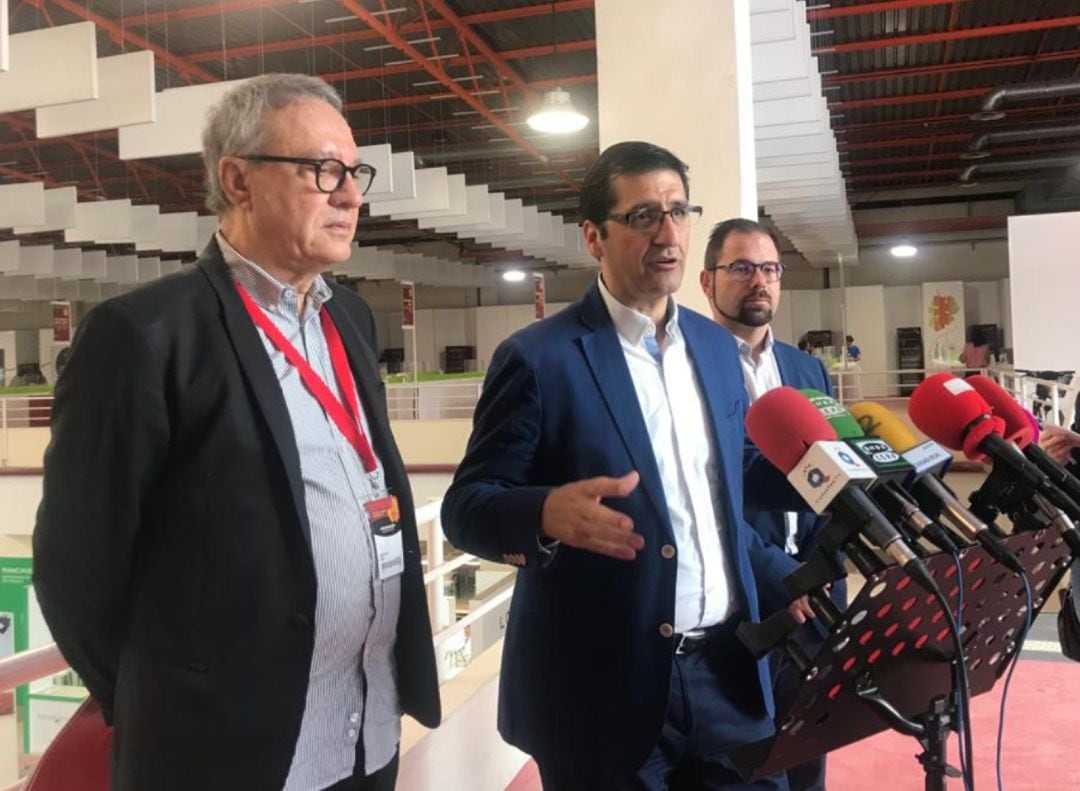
(761, 377)
(678, 425)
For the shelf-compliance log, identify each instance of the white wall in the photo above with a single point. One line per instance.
(7, 343)
(903, 308)
(1045, 286)
(865, 306)
(805, 313)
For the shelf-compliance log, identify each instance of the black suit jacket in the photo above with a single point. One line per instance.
(172, 549)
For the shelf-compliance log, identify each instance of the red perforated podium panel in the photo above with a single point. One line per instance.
(78, 758)
(896, 632)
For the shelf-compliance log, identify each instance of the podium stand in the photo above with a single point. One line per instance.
(893, 641)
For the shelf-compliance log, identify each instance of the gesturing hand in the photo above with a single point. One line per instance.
(1059, 443)
(573, 515)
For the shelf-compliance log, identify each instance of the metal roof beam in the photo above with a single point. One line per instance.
(946, 68)
(875, 8)
(952, 35)
(393, 37)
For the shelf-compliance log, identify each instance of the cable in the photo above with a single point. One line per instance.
(1020, 638)
(963, 687)
(963, 718)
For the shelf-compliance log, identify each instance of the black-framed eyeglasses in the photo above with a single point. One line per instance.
(329, 173)
(772, 271)
(649, 219)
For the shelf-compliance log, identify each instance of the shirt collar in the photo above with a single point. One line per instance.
(766, 347)
(264, 288)
(634, 325)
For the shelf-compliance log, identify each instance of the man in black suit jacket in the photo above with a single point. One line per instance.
(741, 280)
(216, 551)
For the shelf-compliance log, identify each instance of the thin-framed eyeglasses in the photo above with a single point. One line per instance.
(772, 271)
(648, 219)
(329, 173)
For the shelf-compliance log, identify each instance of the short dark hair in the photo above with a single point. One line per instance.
(849, 338)
(722, 230)
(633, 156)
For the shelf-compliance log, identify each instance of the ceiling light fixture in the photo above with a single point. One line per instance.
(557, 114)
(513, 275)
(904, 251)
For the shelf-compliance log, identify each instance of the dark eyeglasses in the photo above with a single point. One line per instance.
(648, 220)
(744, 270)
(329, 173)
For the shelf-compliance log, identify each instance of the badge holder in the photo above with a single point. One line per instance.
(888, 660)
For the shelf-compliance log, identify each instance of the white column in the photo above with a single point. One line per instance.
(678, 74)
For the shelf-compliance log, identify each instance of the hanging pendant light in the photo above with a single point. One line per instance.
(557, 115)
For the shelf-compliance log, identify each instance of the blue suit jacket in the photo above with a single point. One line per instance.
(585, 667)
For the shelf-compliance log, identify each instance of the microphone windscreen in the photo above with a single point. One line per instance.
(943, 406)
(1017, 426)
(845, 426)
(879, 421)
(989, 424)
(784, 424)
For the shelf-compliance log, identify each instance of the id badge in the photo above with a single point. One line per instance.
(384, 518)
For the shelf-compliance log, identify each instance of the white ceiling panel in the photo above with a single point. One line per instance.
(54, 65)
(125, 96)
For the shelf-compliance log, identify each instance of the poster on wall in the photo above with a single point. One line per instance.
(61, 312)
(538, 296)
(408, 306)
(943, 323)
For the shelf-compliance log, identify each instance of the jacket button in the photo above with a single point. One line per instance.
(666, 630)
(667, 551)
(301, 620)
(196, 667)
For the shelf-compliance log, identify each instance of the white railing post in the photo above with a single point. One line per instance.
(4, 455)
(436, 587)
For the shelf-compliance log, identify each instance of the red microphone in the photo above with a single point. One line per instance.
(1018, 429)
(784, 425)
(1017, 425)
(797, 439)
(951, 411)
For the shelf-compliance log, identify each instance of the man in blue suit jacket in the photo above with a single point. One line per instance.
(741, 280)
(606, 462)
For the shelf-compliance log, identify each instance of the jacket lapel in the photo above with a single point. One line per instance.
(606, 359)
(259, 371)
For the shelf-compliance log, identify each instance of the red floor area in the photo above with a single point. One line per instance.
(1041, 723)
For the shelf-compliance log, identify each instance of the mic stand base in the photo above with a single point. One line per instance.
(931, 729)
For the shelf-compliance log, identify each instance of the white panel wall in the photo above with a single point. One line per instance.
(903, 308)
(982, 303)
(805, 307)
(865, 309)
(1044, 284)
(7, 344)
(1006, 310)
(781, 323)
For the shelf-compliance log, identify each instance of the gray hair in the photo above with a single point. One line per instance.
(234, 126)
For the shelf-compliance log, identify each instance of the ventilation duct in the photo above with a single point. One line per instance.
(1010, 165)
(990, 110)
(977, 149)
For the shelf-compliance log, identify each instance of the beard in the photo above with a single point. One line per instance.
(754, 317)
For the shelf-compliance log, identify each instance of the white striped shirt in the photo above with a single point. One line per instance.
(355, 613)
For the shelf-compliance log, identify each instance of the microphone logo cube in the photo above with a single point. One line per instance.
(826, 469)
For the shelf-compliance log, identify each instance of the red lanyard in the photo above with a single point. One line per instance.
(345, 416)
